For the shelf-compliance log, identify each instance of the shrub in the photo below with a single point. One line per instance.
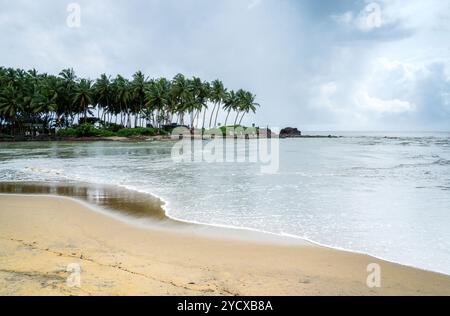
(85, 130)
(105, 133)
(112, 127)
(130, 132)
(67, 132)
(89, 130)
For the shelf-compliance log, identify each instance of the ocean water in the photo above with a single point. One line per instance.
(385, 196)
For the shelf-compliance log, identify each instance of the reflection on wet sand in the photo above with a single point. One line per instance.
(121, 200)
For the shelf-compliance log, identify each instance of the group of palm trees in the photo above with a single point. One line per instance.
(28, 98)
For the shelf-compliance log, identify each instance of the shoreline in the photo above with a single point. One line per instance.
(155, 210)
(142, 209)
(150, 138)
(292, 259)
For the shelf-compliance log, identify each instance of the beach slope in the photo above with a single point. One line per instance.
(42, 239)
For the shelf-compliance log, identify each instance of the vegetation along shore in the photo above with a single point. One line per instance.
(35, 105)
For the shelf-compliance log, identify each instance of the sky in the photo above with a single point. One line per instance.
(316, 65)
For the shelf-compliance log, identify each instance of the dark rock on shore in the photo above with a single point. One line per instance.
(290, 132)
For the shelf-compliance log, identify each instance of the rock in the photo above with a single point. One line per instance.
(290, 132)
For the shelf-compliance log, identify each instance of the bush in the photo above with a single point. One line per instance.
(112, 127)
(85, 130)
(67, 132)
(140, 131)
(89, 130)
(105, 133)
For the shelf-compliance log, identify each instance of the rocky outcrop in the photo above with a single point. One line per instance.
(290, 132)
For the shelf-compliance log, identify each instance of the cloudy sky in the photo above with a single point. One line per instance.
(316, 65)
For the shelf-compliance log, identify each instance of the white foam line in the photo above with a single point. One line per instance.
(166, 204)
(167, 213)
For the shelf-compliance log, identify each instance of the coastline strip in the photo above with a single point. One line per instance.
(40, 236)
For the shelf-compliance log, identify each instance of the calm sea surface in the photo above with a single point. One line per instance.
(386, 196)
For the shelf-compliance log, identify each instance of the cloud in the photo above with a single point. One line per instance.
(366, 20)
(365, 101)
(253, 4)
(312, 64)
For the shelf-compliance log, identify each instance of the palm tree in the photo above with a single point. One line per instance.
(122, 97)
(198, 98)
(29, 97)
(156, 99)
(103, 94)
(182, 95)
(138, 87)
(231, 102)
(9, 103)
(248, 104)
(66, 91)
(206, 94)
(218, 94)
(83, 97)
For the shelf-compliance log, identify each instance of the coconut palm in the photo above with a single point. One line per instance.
(218, 94)
(83, 97)
(156, 99)
(248, 104)
(181, 93)
(29, 97)
(138, 87)
(103, 93)
(9, 103)
(122, 97)
(230, 104)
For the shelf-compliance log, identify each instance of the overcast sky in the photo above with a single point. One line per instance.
(316, 65)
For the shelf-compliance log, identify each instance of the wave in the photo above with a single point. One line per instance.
(442, 162)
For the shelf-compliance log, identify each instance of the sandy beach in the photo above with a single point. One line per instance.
(40, 236)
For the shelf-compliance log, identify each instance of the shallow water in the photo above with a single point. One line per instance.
(386, 196)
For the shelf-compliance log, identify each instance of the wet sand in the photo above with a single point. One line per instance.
(41, 235)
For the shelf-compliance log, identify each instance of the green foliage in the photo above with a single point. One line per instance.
(112, 127)
(85, 130)
(27, 97)
(89, 130)
(140, 131)
(67, 132)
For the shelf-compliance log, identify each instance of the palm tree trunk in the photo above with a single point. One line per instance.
(197, 117)
(240, 121)
(226, 120)
(203, 123)
(237, 116)
(192, 119)
(217, 114)
(182, 118)
(212, 114)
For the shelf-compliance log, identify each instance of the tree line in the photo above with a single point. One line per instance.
(32, 98)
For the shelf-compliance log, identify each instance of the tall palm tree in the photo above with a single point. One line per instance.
(198, 98)
(240, 97)
(248, 104)
(156, 99)
(138, 86)
(65, 94)
(30, 97)
(83, 97)
(218, 94)
(122, 98)
(103, 94)
(182, 95)
(206, 95)
(9, 103)
(230, 104)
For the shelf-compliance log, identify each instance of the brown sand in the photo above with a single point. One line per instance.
(40, 236)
